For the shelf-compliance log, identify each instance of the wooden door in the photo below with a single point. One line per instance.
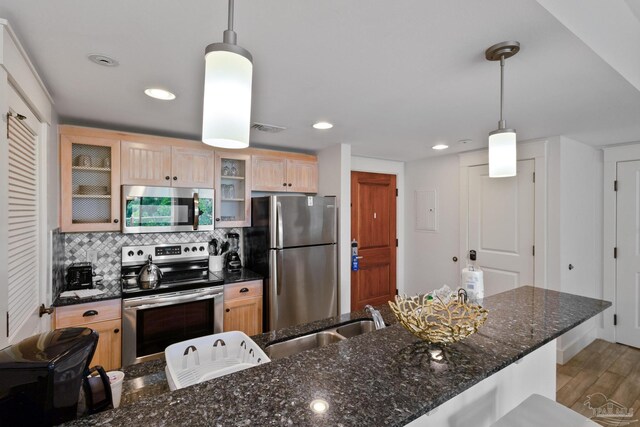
(243, 314)
(145, 163)
(108, 352)
(628, 253)
(89, 184)
(302, 176)
(268, 173)
(373, 225)
(501, 226)
(191, 167)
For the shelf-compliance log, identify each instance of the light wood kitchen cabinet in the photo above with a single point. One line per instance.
(273, 173)
(269, 173)
(191, 167)
(89, 183)
(104, 317)
(243, 307)
(164, 165)
(233, 189)
(302, 176)
(146, 163)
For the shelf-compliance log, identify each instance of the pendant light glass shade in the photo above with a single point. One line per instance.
(226, 113)
(502, 153)
(226, 118)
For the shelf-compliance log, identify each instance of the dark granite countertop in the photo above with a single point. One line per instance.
(386, 377)
(111, 291)
(243, 275)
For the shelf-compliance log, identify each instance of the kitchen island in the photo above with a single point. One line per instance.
(385, 377)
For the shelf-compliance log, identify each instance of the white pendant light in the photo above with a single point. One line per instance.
(502, 142)
(226, 116)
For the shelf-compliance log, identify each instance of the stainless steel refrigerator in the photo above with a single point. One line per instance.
(292, 242)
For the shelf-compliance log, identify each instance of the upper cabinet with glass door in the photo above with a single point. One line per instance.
(233, 189)
(90, 183)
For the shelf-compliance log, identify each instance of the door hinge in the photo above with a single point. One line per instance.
(615, 320)
(534, 177)
(615, 253)
(396, 192)
(533, 251)
(615, 185)
(396, 243)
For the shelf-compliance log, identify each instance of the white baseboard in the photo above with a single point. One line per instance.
(565, 351)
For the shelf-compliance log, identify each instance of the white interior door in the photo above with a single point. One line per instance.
(628, 259)
(501, 226)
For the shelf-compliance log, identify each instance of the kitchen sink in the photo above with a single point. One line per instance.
(318, 339)
(306, 342)
(356, 328)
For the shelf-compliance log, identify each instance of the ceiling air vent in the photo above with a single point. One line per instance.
(263, 127)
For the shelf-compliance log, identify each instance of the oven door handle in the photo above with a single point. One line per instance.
(161, 302)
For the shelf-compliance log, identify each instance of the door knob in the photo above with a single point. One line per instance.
(42, 310)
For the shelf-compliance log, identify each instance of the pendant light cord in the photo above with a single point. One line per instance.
(501, 124)
(230, 21)
(229, 36)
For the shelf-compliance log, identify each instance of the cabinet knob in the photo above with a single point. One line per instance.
(167, 177)
(228, 310)
(284, 184)
(289, 184)
(218, 219)
(116, 330)
(175, 178)
(90, 313)
(115, 221)
(243, 290)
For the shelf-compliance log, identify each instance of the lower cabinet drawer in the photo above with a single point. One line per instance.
(82, 314)
(243, 290)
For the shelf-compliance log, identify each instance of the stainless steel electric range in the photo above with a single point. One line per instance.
(187, 303)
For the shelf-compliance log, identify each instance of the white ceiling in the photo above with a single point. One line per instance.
(394, 77)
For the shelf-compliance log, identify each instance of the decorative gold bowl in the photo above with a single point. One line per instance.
(436, 321)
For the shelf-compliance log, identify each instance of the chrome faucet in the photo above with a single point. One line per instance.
(377, 317)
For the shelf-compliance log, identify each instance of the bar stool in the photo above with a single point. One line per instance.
(538, 411)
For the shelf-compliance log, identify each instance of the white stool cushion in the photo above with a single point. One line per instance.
(538, 411)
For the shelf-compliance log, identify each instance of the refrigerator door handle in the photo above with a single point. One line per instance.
(279, 237)
(274, 286)
(279, 269)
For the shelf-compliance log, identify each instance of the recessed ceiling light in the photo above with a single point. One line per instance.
(319, 406)
(103, 60)
(440, 147)
(158, 93)
(322, 125)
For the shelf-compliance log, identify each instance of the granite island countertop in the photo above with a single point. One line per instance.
(386, 377)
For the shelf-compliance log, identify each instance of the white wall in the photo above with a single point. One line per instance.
(365, 164)
(53, 174)
(334, 169)
(576, 231)
(428, 261)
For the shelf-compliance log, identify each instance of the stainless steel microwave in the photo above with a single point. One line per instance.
(166, 209)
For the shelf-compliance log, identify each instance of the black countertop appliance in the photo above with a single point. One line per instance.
(41, 377)
(79, 276)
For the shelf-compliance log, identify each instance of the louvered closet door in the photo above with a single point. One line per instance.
(23, 224)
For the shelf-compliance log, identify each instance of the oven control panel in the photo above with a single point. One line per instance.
(168, 250)
(172, 252)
